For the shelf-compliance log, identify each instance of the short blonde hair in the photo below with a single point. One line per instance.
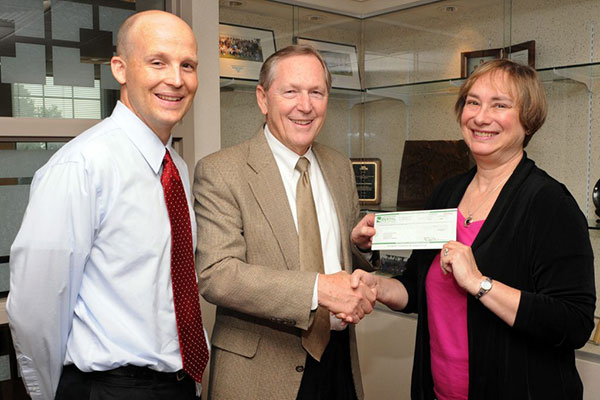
(267, 71)
(530, 95)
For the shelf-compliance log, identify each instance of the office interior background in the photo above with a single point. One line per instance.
(400, 65)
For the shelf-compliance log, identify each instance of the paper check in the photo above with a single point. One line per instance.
(409, 230)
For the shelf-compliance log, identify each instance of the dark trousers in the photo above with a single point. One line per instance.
(330, 379)
(128, 383)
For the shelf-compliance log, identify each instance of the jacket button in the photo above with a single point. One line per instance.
(299, 368)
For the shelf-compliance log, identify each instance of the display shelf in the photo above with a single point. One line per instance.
(405, 91)
(237, 84)
(584, 73)
(353, 95)
(364, 209)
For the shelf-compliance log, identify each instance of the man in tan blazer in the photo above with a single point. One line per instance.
(248, 247)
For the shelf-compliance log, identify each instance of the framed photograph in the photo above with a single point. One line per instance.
(242, 50)
(522, 53)
(367, 172)
(470, 60)
(342, 61)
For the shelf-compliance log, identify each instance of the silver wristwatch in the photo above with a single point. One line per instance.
(484, 287)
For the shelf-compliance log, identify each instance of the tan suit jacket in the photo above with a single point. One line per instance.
(247, 260)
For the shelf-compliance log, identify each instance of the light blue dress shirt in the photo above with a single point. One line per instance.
(90, 277)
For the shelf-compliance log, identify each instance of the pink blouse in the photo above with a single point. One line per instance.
(447, 314)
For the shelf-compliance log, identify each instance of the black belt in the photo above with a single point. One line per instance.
(132, 371)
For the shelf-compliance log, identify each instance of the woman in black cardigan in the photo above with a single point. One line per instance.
(507, 307)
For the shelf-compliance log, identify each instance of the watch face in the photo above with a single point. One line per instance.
(596, 197)
(486, 285)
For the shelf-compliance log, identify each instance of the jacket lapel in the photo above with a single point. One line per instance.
(505, 199)
(268, 190)
(331, 174)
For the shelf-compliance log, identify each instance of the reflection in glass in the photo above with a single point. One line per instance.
(69, 68)
(31, 145)
(56, 101)
(26, 66)
(70, 41)
(51, 146)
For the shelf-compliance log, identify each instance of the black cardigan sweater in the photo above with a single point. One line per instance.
(534, 239)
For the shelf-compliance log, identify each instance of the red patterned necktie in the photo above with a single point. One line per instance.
(192, 343)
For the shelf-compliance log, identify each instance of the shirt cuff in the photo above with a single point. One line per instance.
(315, 298)
(364, 251)
(30, 377)
(336, 323)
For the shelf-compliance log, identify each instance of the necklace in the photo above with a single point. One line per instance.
(469, 218)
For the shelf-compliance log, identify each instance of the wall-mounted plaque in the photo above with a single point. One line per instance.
(367, 172)
(470, 60)
(425, 164)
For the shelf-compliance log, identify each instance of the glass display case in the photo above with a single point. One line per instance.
(409, 63)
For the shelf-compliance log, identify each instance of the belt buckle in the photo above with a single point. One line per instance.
(180, 375)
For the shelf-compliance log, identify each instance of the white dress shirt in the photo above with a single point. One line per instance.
(90, 279)
(329, 225)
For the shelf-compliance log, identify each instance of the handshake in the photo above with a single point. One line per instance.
(351, 297)
(348, 297)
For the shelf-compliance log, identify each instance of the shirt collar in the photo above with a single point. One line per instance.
(143, 138)
(286, 157)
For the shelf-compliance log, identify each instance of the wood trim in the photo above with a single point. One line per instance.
(44, 127)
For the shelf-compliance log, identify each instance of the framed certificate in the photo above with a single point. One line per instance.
(522, 53)
(341, 59)
(367, 172)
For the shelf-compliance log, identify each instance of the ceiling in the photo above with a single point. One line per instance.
(359, 8)
(308, 16)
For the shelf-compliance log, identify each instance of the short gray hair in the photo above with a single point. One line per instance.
(267, 71)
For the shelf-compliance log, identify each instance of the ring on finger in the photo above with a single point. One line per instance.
(446, 251)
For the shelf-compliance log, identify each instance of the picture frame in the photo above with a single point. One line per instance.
(243, 49)
(470, 60)
(522, 53)
(367, 173)
(341, 59)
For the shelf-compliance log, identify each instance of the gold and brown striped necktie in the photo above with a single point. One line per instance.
(316, 338)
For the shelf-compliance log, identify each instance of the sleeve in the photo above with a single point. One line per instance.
(225, 278)
(560, 308)
(46, 265)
